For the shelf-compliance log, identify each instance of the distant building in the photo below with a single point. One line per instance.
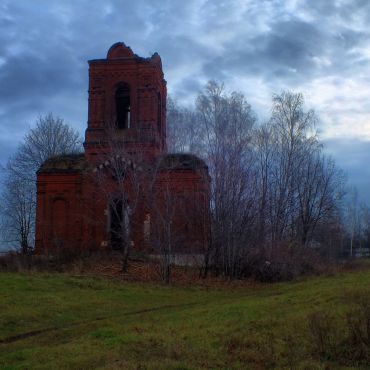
(361, 252)
(125, 187)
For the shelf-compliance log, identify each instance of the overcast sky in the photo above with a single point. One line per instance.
(318, 47)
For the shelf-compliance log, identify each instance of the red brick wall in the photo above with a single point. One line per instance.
(59, 211)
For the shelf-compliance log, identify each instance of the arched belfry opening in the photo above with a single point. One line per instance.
(123, 106)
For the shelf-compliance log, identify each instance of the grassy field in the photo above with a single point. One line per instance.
(63, 322)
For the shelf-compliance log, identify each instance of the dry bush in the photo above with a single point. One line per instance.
(249, 348)
(16, 262)
(343, 338)
(324, 334)
(281, 263)
(56, 262)
(357, 341)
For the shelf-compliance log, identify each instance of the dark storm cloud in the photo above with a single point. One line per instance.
(181, 90)
(294, 51)
(19, 82)
(287, 51)
(258, 46)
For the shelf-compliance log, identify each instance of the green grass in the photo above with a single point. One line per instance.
(64, 322)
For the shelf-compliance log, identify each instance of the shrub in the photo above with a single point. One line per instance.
(357, 342)
(344, 338)
(18, 262)
(280, 263)
(323, 331)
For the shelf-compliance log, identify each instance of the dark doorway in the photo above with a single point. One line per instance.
(119, 224)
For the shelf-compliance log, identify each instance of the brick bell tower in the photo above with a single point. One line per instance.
(127, 96)
(127, 106)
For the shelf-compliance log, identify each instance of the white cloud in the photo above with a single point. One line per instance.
(343, 106)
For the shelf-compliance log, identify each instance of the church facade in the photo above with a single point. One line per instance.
(125, 189)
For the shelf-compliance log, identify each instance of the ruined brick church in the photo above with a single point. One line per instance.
(125, 187)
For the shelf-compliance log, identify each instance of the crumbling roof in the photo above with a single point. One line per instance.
(64, 163)
(181, 161)
(120, 51)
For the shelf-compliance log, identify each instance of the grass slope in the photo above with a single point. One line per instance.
(64, 322)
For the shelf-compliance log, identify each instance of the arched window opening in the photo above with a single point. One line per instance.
(59, 218)
(123, 107)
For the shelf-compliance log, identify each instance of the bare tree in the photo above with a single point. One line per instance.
(227, 121)
(356, 224)
(365, 228)
(319, 193)
(17, 210)
(300, 186)
(271, 184)
(50, 137)
(119, 176)
(293, 136)
(264, 151)
(184, 134)
(166, 205)
(180, 216)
